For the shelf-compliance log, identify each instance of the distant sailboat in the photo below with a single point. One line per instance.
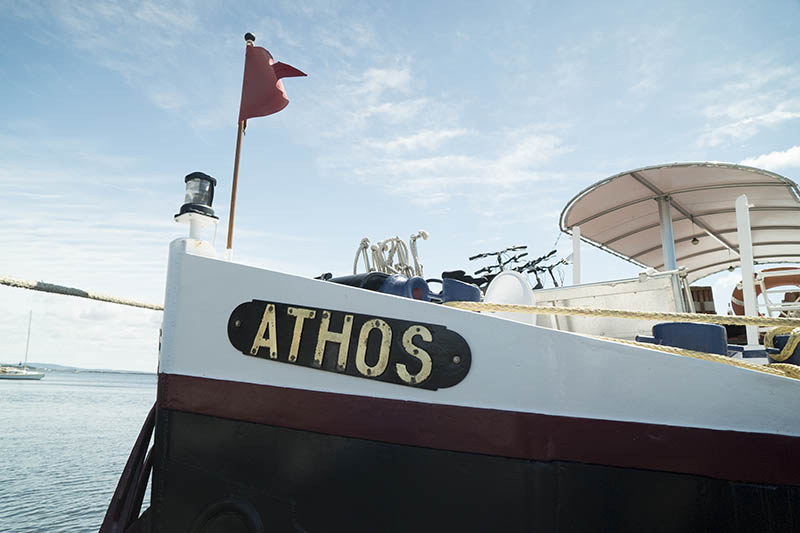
(16, 372)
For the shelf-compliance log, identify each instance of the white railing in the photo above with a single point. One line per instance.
(771, 307)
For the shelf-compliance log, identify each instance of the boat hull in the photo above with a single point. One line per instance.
(30, 376)
(258, 429)
(246, 476)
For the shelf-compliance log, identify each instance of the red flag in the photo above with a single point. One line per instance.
(262, 90)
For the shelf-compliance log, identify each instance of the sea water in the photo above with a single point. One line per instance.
(64, 441)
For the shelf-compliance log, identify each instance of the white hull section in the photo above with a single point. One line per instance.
(25, 375)
(515, 366)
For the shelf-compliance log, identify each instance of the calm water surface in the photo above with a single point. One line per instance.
(63, 443)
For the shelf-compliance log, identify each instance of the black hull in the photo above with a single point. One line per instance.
(216, 474)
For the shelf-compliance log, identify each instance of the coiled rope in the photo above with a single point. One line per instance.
(791, 342)
(383, 256)
(71, 291)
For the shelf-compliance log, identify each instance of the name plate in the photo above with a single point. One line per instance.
(415, 354)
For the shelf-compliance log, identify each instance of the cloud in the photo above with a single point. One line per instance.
(366, 94)
(394, 112)
(75, 331)
(750, 126)
(67, 218)
(533, 150)
(377, 80)
(437, 179)
(750, 91)
(425, 140)
(345, 36)
(276, 29)
(162, 49)
(153, 46)
(776, 160)
(67, 226)
(753, 98)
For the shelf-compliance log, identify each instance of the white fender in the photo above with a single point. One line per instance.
(510, 287)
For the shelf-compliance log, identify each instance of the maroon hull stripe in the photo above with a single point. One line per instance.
(731, 455)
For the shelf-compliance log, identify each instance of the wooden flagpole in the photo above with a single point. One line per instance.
(233, 187)
(249, 38)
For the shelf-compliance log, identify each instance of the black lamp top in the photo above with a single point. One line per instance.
(200, 176)
(249, 37)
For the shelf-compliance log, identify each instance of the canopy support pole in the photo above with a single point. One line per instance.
(668, 248)
(576, 255)
(746, 258)
(667, 235)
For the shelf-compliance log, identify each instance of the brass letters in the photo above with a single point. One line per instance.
(268, 320)
(300, 315)
(383, 355)
(312, 326)
(343, 339)
(419, 353)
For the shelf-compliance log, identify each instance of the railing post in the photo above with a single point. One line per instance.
(746, 257)
(576, 255)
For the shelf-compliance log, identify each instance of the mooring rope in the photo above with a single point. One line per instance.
(780, 369)
(705, 356)
(792, 371)
(621, 313)
(71, 291)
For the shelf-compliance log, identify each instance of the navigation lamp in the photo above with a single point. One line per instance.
(199, 195)
(196, 210)
(695, 241)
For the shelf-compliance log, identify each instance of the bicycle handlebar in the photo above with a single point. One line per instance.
(501, 252)
(515, 258)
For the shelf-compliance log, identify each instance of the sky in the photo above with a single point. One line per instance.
(476, 121)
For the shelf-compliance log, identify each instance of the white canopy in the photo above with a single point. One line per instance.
(621, 215)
